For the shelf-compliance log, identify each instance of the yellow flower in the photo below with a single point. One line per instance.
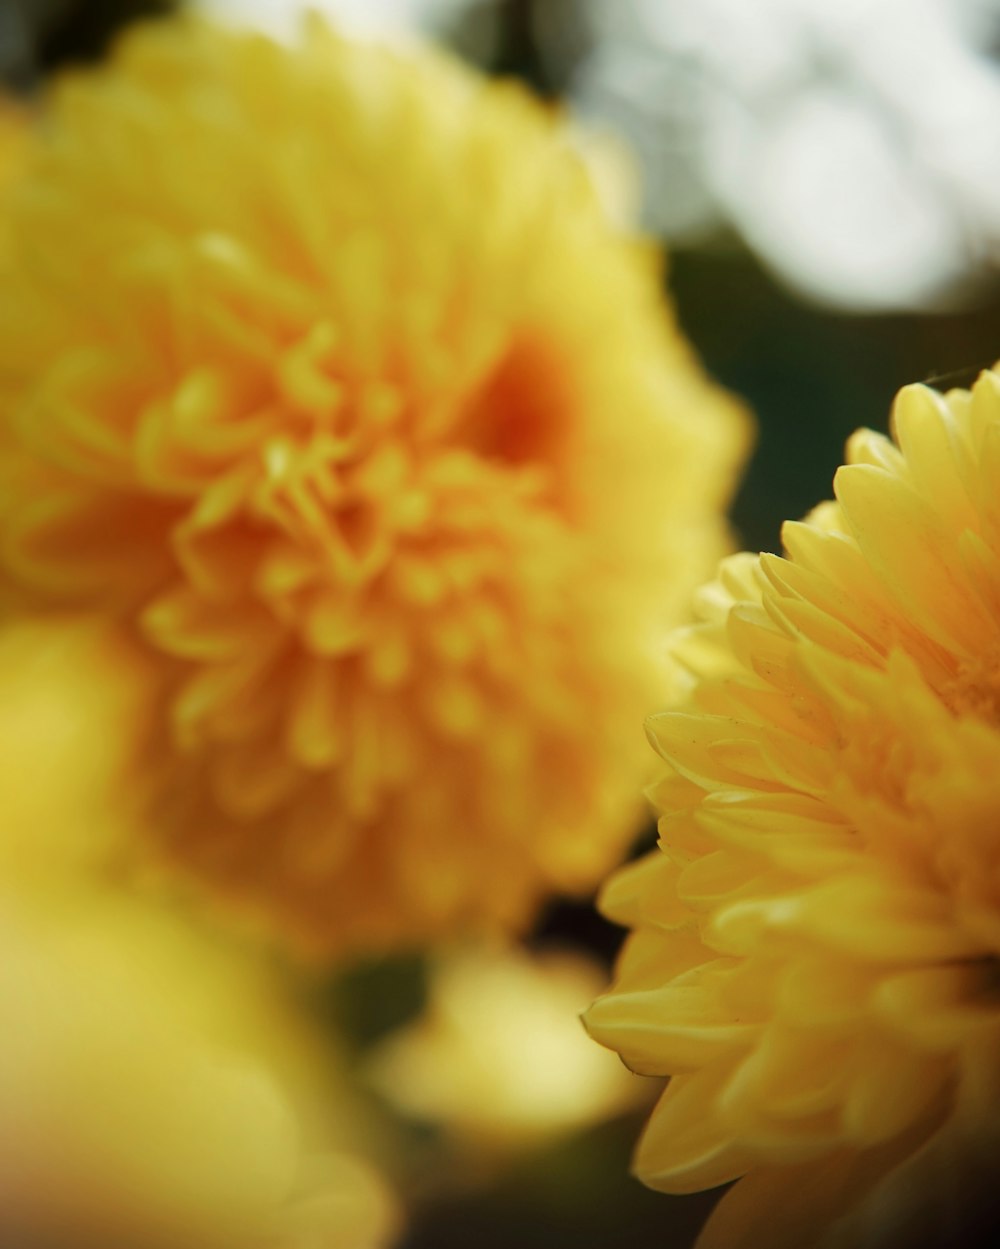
(149, 1097)
(155, 1087)
(72, 707)
(463, 1063)
(816, 949)
(336, 384)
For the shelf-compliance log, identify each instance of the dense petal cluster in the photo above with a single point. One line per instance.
(817, 945)
(333, 379)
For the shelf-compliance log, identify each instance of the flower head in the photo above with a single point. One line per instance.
(156, 1088)
(146, 1098)
(334, 382)
(816, 948)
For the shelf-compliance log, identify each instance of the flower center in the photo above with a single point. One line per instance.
(525, 408)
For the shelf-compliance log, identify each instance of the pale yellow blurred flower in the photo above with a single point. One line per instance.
(338, 387)
(500, 1058)
(157, 1089)
(153, 1093)
(73, 699)
(817, 944)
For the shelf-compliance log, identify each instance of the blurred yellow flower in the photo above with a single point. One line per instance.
(13, 142)
(499, 1058)
(152, 1094)
(816, 949)
(336, 384)
(155, 1087)
(72, 712)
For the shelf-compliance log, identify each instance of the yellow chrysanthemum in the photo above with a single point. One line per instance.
(155, 1087)
(146, 1097)
(816, 950)
(333, 379)
(72, 704)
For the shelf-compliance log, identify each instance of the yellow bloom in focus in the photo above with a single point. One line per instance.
(334, 382)
(816, 949)
(149, 1097)
(499, 1059)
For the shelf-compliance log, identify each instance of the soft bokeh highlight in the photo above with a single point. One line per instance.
(461, 1065)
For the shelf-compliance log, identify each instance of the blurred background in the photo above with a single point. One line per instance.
(826, 179)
